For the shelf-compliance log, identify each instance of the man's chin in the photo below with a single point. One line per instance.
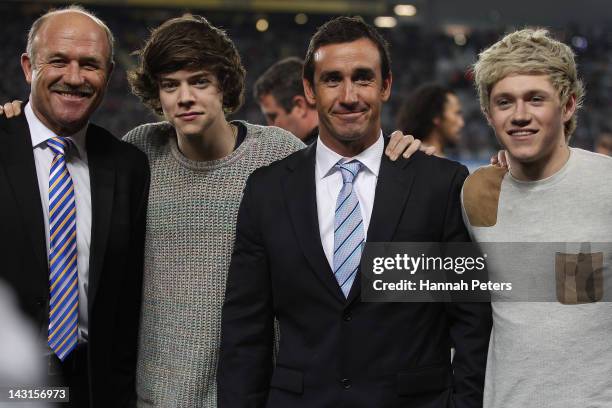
(72, 116)
(350, 134)
(71, 124)
(524, 155)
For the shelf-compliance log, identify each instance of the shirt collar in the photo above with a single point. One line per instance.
(370, 158)
(40, 133)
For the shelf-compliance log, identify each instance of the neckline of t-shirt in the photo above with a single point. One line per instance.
(208, 165)
(548, 181)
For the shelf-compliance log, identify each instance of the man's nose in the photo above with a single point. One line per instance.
(348, 95)
(73, 74)
(521, 115)
(185, 95)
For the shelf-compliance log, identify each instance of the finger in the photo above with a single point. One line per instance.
(501, 158)
(395, 138)
(504, 160)
(430, 150)
(404, 143)
(9, 112)
(1, 110)
(16, 107)
(494, 160)
(414, 146)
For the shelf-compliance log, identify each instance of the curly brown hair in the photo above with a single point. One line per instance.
(190, 43)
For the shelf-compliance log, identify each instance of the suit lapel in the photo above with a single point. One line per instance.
(17, 155)
(392, 191)
(299, 188)
(102, 180)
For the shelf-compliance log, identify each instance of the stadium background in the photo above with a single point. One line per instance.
(437, 41)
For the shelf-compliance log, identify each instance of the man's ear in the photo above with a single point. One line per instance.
(26, 65)
(309, 91)
(300, 105)
(386, 88)
(111, 68)
(569, 108)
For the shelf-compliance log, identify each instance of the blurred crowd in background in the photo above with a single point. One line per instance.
(419, 55)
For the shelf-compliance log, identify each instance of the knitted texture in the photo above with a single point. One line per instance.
(191, 222)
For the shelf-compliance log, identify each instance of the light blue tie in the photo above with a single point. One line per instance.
(63, 278)
(348, 229)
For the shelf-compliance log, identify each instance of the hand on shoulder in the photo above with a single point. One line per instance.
(11, 109)
(406, 145)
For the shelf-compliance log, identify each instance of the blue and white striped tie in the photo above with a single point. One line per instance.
(63, 278)
(348, 229)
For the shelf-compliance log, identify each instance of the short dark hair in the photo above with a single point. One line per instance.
(191, 43)
(342, 30)
(283, 80)
(420, 108)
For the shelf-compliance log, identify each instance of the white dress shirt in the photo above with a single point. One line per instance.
(328, 181)
(76, 162)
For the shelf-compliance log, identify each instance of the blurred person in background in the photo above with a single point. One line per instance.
(20, 364)
(280, 95)
(432, 113)
(603, 143)
(72, 213)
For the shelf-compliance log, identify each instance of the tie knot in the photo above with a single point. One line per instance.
(59, 145)
(349, 170)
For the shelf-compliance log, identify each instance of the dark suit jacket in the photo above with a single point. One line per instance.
(119, 176)
(337, 352)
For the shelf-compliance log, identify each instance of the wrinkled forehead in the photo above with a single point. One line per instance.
(347, 57)
(73, 29)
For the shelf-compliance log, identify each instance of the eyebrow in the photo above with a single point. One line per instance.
(528, 92)
(81, 59)
(199, 74)
(363, 72)
(357, 73)
(329, 74)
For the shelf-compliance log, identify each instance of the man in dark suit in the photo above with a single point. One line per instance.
(72, 213)
(300, 231)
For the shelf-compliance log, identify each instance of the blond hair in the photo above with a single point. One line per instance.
(532, 52)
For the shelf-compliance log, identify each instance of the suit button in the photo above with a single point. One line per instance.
(347, 317)
(346, 383)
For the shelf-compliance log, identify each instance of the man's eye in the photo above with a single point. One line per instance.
(503, 103)
(202, 82)
(167, 86)
(58, 63)
(537, 99)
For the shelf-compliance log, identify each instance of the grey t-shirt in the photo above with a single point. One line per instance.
(546, 354)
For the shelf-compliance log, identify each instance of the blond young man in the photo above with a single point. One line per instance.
(541, 354)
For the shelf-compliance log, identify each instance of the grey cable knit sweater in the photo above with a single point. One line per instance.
(191, 224)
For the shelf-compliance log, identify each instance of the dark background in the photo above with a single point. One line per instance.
(439, 43)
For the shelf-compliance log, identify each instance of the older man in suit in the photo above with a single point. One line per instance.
(300, 232)
(72, 213)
